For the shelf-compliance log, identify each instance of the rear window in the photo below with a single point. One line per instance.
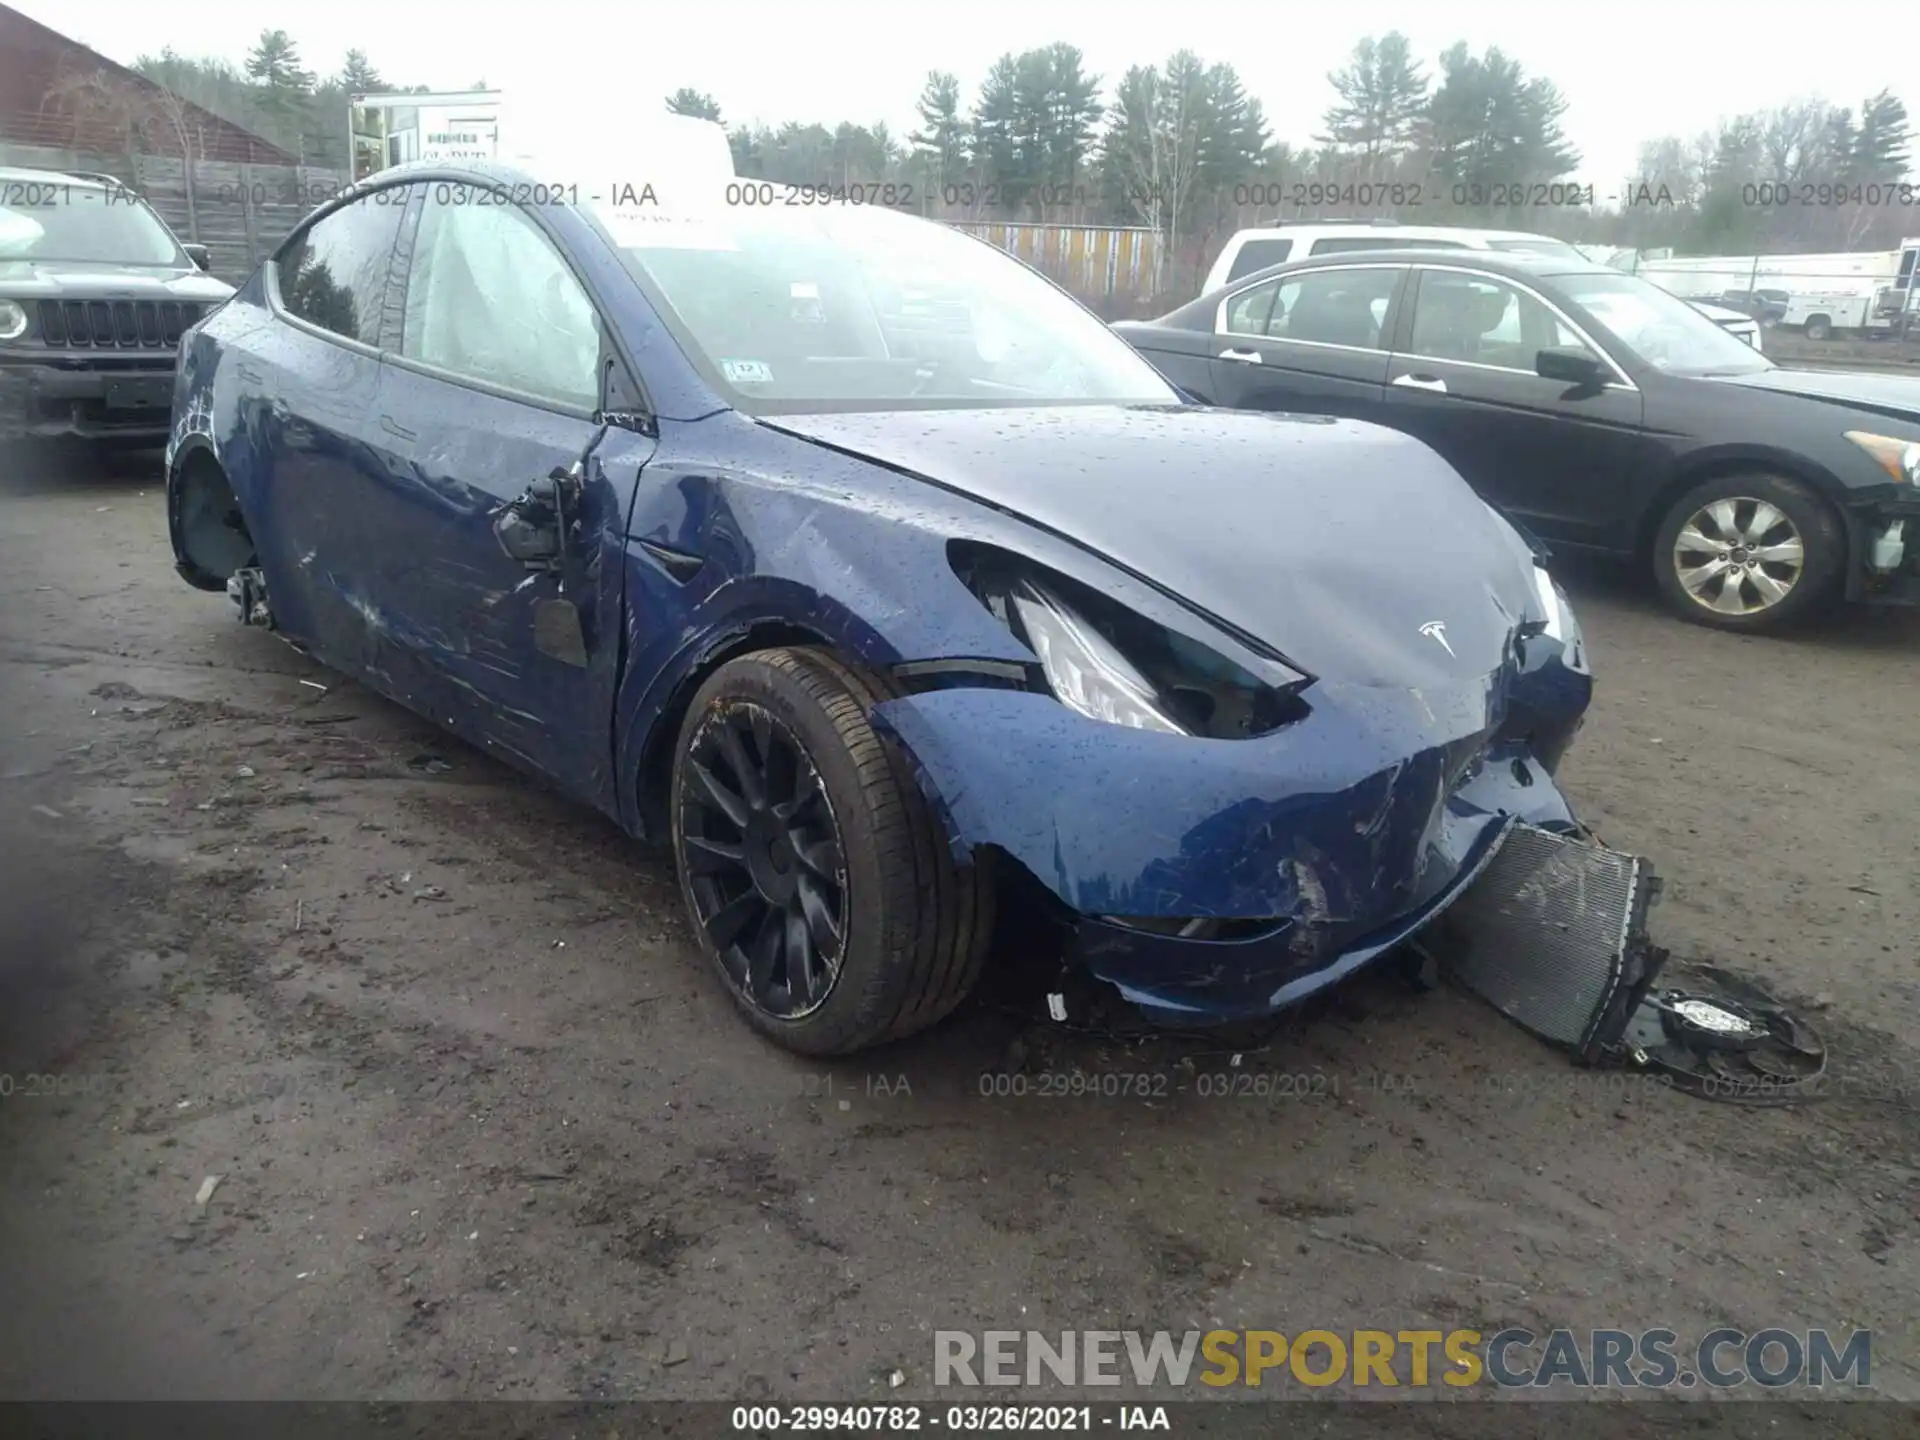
(1257, 255)
(1339, 244)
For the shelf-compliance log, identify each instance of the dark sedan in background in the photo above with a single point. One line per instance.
(1597, 409)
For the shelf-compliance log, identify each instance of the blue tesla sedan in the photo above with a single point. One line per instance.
(858, 563)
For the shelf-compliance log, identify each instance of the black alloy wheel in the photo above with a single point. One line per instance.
(763, 860)
(818, 878)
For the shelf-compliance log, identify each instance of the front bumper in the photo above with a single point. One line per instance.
(1901, 585)
(83, 397)
(1327, 842)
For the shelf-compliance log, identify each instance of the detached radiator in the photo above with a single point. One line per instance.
(1554, 935)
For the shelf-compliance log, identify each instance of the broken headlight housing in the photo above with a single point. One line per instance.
(1559, 623)
(1109, 663)
(1082, 666)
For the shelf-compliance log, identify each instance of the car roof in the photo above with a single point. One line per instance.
(1293, 229)
(1519, 263)
(27, 175)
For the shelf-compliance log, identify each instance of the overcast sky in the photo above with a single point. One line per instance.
(1630, 69)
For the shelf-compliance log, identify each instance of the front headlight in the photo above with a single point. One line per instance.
(1086, 672)
(1560, 624)
(13, 320)
(1899, 458)
(1552, 604)
(1111, 662)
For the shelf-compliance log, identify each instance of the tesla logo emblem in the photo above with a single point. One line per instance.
(1437, 630)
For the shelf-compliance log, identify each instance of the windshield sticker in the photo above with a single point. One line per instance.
(747, 372)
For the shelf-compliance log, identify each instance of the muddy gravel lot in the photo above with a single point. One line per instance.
(483, 1127)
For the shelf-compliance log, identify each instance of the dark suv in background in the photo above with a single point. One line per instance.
(95, 294)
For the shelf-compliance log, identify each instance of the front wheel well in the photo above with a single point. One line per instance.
(656, 761)
(1680, 484)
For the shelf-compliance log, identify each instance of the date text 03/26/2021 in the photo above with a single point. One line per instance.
(952, 1419)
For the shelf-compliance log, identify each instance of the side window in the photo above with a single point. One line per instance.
(1334, 307)
(490, 299)
(1483, 321)
(335, 275)
(1257, 255)
(1247, 312)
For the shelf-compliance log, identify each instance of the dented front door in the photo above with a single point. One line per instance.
(493, 386)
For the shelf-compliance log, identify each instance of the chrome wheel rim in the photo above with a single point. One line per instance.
(763, 859)
(1739, 556)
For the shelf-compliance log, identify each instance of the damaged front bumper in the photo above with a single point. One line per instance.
(1886, 538)
(79, 397)
(1317, 848)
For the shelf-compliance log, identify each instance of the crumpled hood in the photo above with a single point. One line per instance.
(80, 280)
(1895, 396)
(1355, 552)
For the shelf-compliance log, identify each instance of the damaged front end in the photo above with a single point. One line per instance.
(1220, 833)
(1554, 935)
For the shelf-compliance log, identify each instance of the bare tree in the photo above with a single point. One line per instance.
(96, 99)
(1792, 140)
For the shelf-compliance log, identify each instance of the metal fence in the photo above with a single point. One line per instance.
(239, 212)
(1816, 307)
(1113, 268)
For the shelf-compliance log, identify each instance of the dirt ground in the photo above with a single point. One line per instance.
(484, 1127)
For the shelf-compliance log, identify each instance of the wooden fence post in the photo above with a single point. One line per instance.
(247, 214)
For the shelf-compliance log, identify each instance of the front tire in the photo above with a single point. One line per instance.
(817, 879)
(1749, 552)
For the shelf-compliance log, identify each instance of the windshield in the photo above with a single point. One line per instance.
(1662, 329)
(61, 221)
(861, 308)
(1559, 249)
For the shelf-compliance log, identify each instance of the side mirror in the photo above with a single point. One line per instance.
(200, 255)
(1575, 367)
